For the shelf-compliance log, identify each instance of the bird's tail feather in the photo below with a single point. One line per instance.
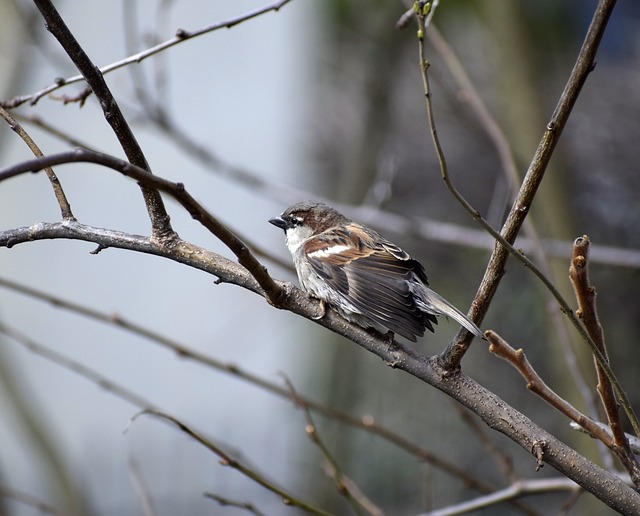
(437, 305)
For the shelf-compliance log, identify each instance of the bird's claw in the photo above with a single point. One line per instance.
(323, 311)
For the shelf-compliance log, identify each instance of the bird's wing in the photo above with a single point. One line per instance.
(373, 275)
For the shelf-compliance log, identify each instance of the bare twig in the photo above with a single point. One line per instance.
(181, 35)
(423, 12)
(272, 291)
(65, 207)
(224, 502)
(587, 312)
(76, 367)
(345, 486)
(514, 491)
(634, 442)
(29, 500)
(468, 92)
(517, 215)
(535, 384)
(227, 460)
(160, 221)
(495, 412)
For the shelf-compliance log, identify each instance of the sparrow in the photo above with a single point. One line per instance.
(366, 278)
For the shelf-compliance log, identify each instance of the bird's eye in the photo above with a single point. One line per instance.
(296, 221)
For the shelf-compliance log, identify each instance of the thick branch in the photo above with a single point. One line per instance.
(177, 190)
(493, 410)
(180, 251)
(609, 488)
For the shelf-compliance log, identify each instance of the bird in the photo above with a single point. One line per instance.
(369, 280)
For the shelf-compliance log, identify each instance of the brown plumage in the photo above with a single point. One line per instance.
(368, 279)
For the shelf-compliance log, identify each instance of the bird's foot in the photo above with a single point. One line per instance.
(323, 311)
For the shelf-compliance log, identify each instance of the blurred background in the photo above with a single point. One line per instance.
(319, 100)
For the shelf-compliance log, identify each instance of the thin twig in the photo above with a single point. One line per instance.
(587, 312)
(517, 215)
(30, 501)
(181, 35)
(343, 484)
(366, 423)
(65, 207)
(535, 244)
(516, 490)
(227, 460)
(225, 502)
(535, 384)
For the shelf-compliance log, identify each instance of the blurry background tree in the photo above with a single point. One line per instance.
(322, 100)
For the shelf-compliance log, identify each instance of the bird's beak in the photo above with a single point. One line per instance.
(279, 222)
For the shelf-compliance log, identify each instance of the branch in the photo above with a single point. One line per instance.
(345, 486)
(385, 221)
(181, 35)
(587, 312)
(65, 207)
(535, 384)
(366, 423)
(516, 490)
(160, 221)
(493, 410)
(227, 460)
(520, 209)
(470, 96)
(272, 291)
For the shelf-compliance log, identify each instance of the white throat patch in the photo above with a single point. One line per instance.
(297, 236)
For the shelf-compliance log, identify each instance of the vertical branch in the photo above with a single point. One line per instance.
(585, 63)
(586, 296)
(451, 357)
(509, 167)
(160, 221)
